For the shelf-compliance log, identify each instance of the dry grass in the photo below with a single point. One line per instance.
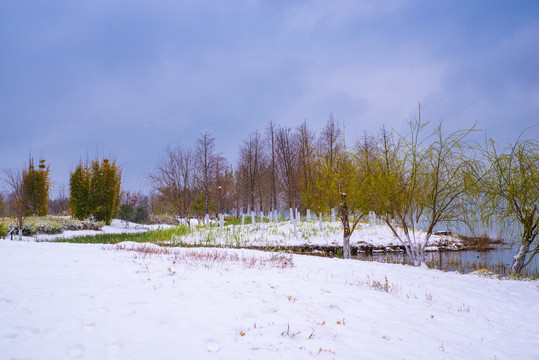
(208, 258)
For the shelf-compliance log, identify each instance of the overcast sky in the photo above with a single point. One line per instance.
(124, 79)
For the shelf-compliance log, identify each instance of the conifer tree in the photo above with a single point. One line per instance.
(79, 185)
(36, 184)
(105, 190)
(95, 190)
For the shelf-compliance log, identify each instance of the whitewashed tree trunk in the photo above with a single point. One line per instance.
(308, 216)
(346, 252)
(291, 215)
(242, 219)
(20, 234)
(320, 222)
(207, 220)
(332, 215)
(253, 218)
(520, 257)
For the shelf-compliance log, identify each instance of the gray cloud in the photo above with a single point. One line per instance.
(125, 79)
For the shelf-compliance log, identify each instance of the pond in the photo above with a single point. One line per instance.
(498, 260)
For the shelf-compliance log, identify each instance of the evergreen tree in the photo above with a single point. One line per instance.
(36, 184)
(79, 186)
(95, 190)
(105, 190)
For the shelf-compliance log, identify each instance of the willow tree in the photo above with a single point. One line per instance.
(421, 181)
(342, 181)
(510, 194)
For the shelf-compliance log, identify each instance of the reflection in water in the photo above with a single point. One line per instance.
(498, 260)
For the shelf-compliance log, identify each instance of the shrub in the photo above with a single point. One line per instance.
(3, 230)
(139, 215)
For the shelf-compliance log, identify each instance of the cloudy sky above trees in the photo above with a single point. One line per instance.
(124, 79)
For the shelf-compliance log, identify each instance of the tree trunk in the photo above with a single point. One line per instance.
(520, 258)
(346, 252)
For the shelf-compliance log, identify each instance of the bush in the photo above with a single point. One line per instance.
(141, 215)
(49, 225)
(126, 212)
(3, 230)
(137, 215)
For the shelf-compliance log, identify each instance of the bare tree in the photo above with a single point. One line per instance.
(251, 162)
(287, 158)
(173, 179)
(13, 179)
(205, 156)
(306, 149)
(330, 142)
(272, 155)
(220, 182)
(59, 205)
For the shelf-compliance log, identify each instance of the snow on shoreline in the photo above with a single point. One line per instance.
(64, 301)
(272, 234)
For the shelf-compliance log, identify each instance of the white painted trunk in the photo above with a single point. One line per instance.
(346, 252)
(520, 257)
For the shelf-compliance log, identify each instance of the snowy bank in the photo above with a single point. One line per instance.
(63, 301)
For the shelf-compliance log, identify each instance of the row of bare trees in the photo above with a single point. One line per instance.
(274, 172)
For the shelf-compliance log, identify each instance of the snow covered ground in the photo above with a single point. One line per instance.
(271, 234)
(65, 301)
(116, 227)
(307, 233)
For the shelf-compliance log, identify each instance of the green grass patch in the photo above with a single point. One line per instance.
(169, 236)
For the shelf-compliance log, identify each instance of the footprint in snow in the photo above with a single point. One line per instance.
(213, 346)
(11, 336)
(114, 349)
(89, 327)
(76, 351)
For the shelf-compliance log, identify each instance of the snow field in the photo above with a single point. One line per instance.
(64, 301)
